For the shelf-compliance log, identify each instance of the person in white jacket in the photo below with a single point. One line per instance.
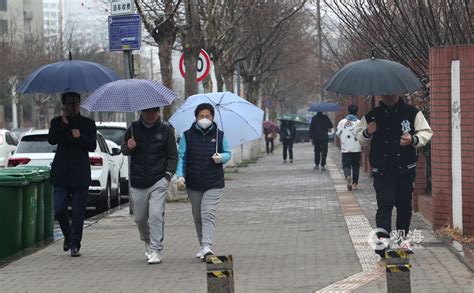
(350, 147)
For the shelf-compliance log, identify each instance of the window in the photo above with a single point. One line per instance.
(114, 134)
(35, 144)
(3, 5)
(103, 146)
(11, 140)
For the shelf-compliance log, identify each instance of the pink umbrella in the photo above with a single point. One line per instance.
(270, 125)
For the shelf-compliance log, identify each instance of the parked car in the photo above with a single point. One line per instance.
(8, 143)
(34, 150)
(302, 132)
(115, 132)
(19, 132)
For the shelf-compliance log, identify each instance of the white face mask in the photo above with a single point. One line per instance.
(204, 123)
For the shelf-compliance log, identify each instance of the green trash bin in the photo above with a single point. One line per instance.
(42, 175)
(11, 207)
(30, 198)
(48, 210)
(48, 204)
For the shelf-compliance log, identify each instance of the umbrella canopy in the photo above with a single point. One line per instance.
(129, 95)
(324, 107)
(67, 76)
(294, 118)
(270, 125)
(240, 120)
(373, 77)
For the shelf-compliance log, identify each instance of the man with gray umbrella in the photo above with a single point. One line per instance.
(394, 130)
(152, 147)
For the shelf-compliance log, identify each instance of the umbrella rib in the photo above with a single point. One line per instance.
(245, 120)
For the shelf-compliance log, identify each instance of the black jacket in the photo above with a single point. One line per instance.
(287, 131)
(155, 155)
(71, 166)
(201, 171)
(320, 125)
(386, 153)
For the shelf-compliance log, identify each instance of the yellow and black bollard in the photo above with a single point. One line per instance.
(398, 267)
(220, 274)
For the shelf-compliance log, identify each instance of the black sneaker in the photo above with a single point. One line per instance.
(75, 252)
(66, 244)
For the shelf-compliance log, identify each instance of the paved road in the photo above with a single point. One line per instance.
(283, 223)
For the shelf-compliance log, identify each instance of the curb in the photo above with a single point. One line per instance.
(457, 249)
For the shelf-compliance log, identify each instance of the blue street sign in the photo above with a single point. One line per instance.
(125, 32)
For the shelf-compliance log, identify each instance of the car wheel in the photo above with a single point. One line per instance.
(119, 191)
(105, 203)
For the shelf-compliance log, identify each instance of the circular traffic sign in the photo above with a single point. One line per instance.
(203, 65)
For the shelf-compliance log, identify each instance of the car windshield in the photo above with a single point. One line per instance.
(114, 134)
(35, 144)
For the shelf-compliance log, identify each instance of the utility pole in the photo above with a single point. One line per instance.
(320, 52)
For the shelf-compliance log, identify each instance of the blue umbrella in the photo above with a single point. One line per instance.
(129, 95)
(67, 76)
(324, 107)
(240, 120)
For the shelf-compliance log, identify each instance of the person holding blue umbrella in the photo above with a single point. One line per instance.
(75, 136)
(203, 149)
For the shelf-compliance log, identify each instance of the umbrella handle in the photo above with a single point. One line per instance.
(217, 138)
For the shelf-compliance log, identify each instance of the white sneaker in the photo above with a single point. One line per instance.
(381, 245)
(405, 244)
(199, 253)
(349, 183)
(155, 257)
(205, 252)
(147, 250)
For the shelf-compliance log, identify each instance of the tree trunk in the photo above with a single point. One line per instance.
(229, 81)
(166, 69)
(190, 61)
(219, 75)
(207, 83)
(249, 92)
(191, 46)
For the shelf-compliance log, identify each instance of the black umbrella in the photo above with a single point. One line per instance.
(373, 77)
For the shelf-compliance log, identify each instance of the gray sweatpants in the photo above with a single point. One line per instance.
(204, 206)
(149, 210)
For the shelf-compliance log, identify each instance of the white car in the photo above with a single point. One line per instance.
(8, 143)
(34, 150)
(115, 132)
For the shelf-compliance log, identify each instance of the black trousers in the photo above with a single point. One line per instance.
(287, 148)
(320, 152)
(394, 190)
(269, 144)
(72, 229)
(351, 162)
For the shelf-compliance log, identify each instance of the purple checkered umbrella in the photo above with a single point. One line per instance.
(129, 95)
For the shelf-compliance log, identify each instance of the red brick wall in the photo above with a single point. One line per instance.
(440, 78)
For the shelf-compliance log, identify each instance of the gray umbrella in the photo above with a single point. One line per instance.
(373, 77)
